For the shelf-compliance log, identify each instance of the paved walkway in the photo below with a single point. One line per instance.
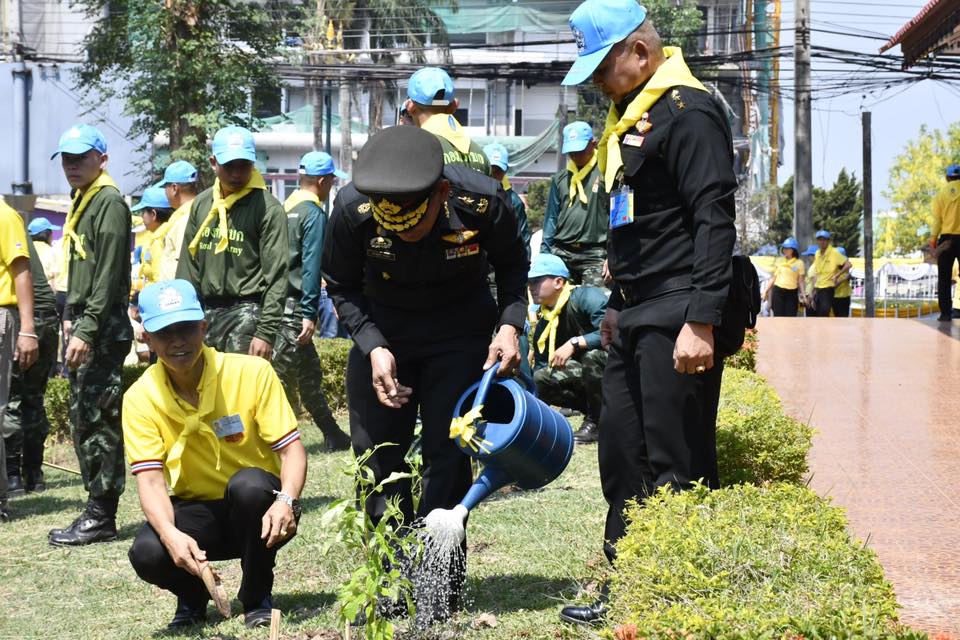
(884, 397)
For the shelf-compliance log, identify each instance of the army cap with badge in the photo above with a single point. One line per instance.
(498, 155)
(170, 302)
(399, 190)
(154, 197)
(431, 86)
(234, 143)
(79, 139)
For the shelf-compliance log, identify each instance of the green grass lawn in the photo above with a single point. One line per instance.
(529, 553)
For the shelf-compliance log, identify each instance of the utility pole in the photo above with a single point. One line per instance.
(868, 283)
(21, 105)
(803, 173)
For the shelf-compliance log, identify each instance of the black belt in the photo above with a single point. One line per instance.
(75, 310)
(222, 302)
(636, 292)
(580, 246)
(46, 315)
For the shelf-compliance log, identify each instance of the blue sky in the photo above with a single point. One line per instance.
(898, 113)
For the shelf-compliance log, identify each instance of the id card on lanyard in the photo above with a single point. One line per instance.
(621, 207)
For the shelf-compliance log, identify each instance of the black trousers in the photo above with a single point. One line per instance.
(784, 302)
(823, 302)
(841, 307)
(657, 426)
(945, 272)
(224, 529)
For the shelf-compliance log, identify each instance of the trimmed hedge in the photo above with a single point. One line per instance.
(746, 358)
(747, 562)
(756, 441)
(333, 361)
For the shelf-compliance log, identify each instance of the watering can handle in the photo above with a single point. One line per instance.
(487, 381)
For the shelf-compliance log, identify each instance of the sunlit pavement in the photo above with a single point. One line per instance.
(884, 397)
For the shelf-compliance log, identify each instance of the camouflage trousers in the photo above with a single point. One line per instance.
(95, 399)
(585, 265)
(575, 386)
(230, 329)
(25, 426)
(298, 367)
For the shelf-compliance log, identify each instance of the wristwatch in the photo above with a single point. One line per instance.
(291, 502)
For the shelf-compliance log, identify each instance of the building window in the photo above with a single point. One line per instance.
(518, 122)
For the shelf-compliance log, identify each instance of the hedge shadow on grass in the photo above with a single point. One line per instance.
(515, 591)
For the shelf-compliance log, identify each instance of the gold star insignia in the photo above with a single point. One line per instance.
(482, 206)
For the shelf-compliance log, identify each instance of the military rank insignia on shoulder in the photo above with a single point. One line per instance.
(363, 208)
(675, 94)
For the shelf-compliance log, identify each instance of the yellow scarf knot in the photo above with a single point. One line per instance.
(577, 177)
(77, 207)
(672, 73)
(219, 208)
(464, 428)
(548, 337)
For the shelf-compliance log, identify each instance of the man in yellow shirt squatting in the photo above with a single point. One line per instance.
(217, 430)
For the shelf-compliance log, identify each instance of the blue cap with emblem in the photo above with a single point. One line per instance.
(576, 136)
(546, 264)
(822, 234)
(153, 198)
(179, 172)
(790, 243)
(498, 155)
(234, 143)
(597, 25)
(164, 303)
(953, 171)
(318, 163)
(79, 139)
(39, 225)
(431, 86)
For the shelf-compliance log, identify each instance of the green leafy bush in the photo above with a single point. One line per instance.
(756, 441)
(333, 362)
(537, 193)
(57, 403)
(746, 357)
(747, 562)
(130, 374)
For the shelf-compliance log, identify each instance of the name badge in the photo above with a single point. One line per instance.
(621, 207)
(229, 428)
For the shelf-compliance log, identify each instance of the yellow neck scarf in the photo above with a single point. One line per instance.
(77, 207)
(548, 337)
(298, 196)
(578, 176)
(161, 232)
(447, 127)
(220, 207)
(672, 73)
(194, 421)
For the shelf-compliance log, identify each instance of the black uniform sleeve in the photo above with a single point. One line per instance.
(508, 256)
(342, 266)
(699, 154)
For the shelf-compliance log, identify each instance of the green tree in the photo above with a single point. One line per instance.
(184, 67)
(839, 210)
(915, 177)
(537, 193)
(781, 227)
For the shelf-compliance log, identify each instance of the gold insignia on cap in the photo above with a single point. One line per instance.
(393, 217)
(380, 242)
(482, 206)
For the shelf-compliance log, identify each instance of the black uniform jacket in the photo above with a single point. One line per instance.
(679, 163)
(387, 290)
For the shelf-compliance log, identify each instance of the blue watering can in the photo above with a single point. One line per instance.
(519, 438)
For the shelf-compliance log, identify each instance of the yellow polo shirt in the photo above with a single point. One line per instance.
(48, 260)
(825, 265)
(13, 245)
(787, 273)
(173, 241)
(946, 211)
(245, 420)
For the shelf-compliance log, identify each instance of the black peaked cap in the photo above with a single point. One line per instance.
(400, 161)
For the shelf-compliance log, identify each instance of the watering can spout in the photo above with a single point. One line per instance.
(490, 479)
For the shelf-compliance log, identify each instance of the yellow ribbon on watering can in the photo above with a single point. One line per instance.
(464, 428)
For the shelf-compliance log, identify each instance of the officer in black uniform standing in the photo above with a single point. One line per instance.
(406, 259)
(667, 159)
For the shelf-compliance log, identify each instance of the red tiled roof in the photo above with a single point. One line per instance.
(895, 40)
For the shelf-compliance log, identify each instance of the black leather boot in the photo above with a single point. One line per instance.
(588, 432)
(589, 614)
(97, 523)
(259, 614)
(14, 480)
(15, 486)
(333, 438)
(188, 615)
(33, 480)
(4, 510)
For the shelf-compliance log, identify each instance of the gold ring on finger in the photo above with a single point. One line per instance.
(701, 368)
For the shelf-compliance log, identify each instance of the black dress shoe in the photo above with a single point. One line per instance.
(97, 523)
(944, 318)
(259, 615)
(188, 615)
(333, 438)
(15, 487)
(587, 433)
(585, 614)
(33, 480)
(4, 512)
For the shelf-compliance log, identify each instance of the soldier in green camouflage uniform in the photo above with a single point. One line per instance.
(97, 238)
(25, 424)
(578, 209)
(237, 262)
(294, 355)
(568, 359)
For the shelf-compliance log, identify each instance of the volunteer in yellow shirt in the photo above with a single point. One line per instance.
(18, 338)
(41, 231)
(155, 210)
(945, 237)
(217, 430)
(843, 292)
(180, 184)
(786, 286)
(828, 267)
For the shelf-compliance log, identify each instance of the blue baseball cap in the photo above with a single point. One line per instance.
(811, 250)
(576, 136)
(498, 155)
(318, 163)
(426, 83)
(179, 172)
(823, 233)
(234, 143)
(41, 224)
(791, 243)
(546, 264)
(842, 251)
(597, 25)
(953, 171)
(79, 139)
(164, 303)
(154, 197)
